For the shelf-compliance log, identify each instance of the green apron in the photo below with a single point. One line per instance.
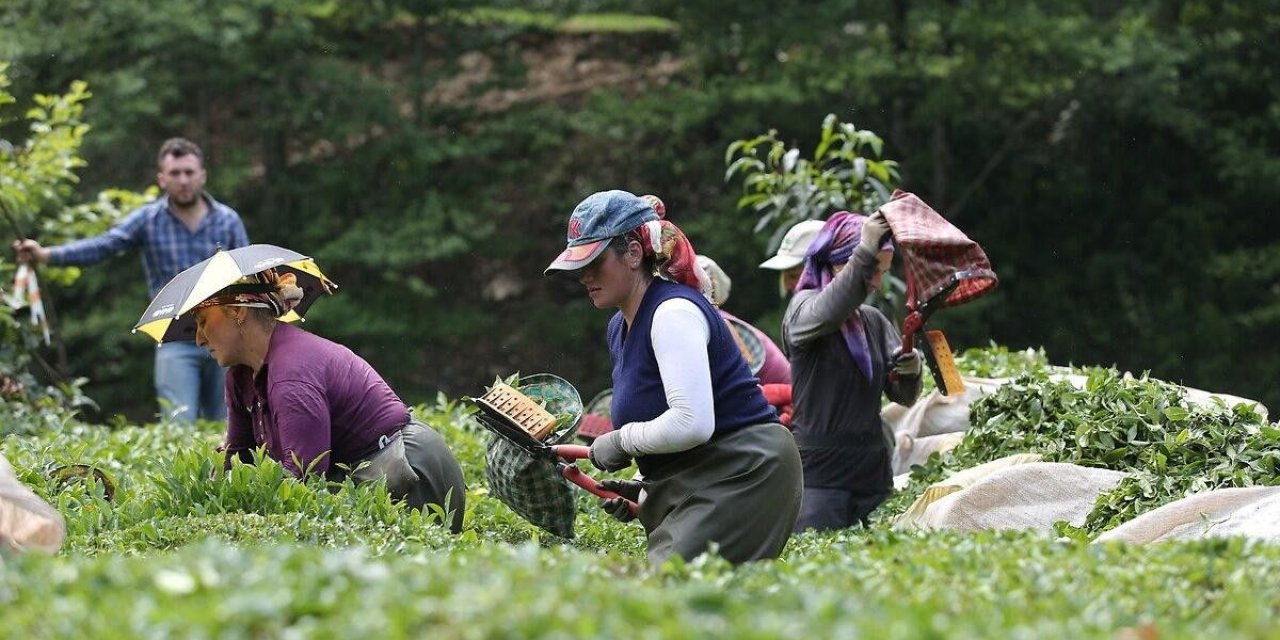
(741, 491)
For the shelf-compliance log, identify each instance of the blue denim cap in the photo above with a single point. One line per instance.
(596, 220)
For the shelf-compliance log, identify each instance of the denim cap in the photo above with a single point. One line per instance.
(595, 221)
(794, 246)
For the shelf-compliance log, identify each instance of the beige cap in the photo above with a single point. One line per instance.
(794, 245)
(720, 282)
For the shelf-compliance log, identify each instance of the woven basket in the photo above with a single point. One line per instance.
(748, 343)
(530, 485)
(520, 409)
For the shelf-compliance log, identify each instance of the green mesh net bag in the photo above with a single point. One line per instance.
(529, 482)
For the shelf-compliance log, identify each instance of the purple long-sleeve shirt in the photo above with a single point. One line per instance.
(311, 396)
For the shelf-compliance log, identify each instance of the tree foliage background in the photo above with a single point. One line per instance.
(1118, 161)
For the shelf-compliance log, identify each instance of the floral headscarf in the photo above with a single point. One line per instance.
(834, 245)
(673, 254)
(659, 207)
(268, 289)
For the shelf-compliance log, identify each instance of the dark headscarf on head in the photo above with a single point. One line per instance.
(834, 245)
(269, 289)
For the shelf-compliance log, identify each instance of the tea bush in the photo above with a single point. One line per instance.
(852, 584)
(1147, 427)
(183, 549)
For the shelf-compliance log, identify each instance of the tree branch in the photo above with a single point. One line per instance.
(954, 209)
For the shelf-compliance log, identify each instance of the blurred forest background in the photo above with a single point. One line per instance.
(1118, 162)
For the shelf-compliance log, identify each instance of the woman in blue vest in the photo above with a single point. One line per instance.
(717, 467)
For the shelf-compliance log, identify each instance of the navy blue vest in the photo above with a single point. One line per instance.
(638, 394)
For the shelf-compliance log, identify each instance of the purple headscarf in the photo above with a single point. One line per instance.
(834, 245)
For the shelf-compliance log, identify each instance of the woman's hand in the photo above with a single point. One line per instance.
(908, 364)
(629, 490)
(874, 230)
(607, 454)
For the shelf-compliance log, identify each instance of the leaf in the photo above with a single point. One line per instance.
(750, 200)
(836, 178)
(789, 160)
(731, 150)
(745, 164)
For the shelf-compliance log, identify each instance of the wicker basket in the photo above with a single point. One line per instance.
(521, 410)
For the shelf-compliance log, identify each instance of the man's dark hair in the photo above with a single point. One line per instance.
(178, 147)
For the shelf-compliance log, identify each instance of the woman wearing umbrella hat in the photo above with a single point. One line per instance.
(314, 404)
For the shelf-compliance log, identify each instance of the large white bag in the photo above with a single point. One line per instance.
(934, 423)
(935, 413)
(1014, 492)
(912, 451)
(26, 521)
(1251, 512)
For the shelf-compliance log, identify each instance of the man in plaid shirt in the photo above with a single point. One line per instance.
(179, 229)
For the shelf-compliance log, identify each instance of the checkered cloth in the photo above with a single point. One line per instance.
(533, 488)
(934, 250)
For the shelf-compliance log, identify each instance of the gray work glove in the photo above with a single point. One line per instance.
(607, 454)
(908, 364)
(618, 507)
(873, 232)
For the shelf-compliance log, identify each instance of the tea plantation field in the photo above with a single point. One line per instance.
(183, 551)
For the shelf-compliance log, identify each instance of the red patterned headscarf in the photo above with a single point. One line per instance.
(268, 289)
(673, 254)
(659, 207)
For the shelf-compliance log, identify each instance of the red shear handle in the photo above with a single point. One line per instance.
(910, 326)
(575, 475)
(572, 451)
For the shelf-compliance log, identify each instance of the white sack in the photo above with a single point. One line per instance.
(912, 451)
(1021, 494)
(26, 521)
(1252, 512)
(935, 413)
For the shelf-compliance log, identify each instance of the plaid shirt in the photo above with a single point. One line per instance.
(168, 246)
